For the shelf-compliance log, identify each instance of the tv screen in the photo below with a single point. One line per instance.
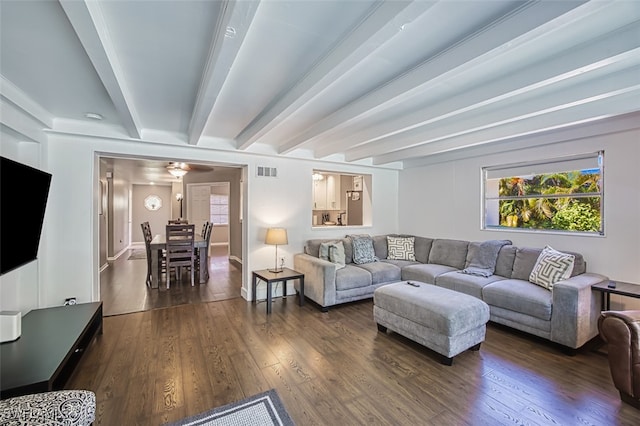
(23, 199)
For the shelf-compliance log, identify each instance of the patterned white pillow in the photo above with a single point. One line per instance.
(552, 266)
(401, 248)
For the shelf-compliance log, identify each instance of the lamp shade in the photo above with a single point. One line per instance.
(276, 236)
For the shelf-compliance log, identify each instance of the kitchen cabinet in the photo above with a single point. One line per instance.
(326, 193)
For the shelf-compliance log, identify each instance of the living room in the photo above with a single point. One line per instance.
(437, 196)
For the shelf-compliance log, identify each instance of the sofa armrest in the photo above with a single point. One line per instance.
(319, 278)
(575, 311)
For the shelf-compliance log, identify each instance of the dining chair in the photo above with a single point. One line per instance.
(146, 233)
(205, 225)
(178, 222)
(180, 251)
(206, 235)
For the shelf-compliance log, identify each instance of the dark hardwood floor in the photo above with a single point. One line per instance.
(123, 289)
(334, 368)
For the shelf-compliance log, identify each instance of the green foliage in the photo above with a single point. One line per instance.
(577, 217)
(557, 209)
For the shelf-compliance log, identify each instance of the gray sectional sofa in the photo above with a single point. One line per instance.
(567, 314)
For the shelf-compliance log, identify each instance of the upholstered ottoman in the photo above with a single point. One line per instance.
(443, 320)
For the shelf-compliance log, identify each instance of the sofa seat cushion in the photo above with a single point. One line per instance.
(352, 276)
(382, 272)
(425, 272)
(519, 296)
(465, 283)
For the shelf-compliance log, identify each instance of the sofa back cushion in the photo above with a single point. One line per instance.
(527, 257)
(504, 263)
(312, 247)
(449, 252)
(380, 246)
(422, 246)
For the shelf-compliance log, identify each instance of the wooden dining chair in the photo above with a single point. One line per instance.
(146, 233)
(180, 251)
(178, 222)
(206, 235)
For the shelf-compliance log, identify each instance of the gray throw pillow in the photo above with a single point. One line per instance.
(363, 251)
(336, 254)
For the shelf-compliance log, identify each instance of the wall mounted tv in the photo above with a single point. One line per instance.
(23, 200)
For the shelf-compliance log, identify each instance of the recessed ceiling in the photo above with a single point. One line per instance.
(369, 82)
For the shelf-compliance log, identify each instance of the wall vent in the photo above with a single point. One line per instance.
(267, 171)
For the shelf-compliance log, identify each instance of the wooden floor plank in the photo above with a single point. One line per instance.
(334, 368)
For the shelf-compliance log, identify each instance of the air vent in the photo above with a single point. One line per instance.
(267, 171)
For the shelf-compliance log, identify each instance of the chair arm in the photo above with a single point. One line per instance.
(575, 310)
(319, 278)
(621, 331)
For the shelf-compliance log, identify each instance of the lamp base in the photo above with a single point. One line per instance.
(276, 270)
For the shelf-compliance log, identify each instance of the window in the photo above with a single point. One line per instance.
(219, 205)
(560, 195)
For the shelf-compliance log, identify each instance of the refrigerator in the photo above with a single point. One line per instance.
(354, 208)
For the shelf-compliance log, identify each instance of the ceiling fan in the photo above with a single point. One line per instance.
(178, 169)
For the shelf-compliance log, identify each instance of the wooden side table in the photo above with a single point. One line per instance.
(621, 288)
(274, 277)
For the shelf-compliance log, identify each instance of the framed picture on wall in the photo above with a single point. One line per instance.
(357, 183)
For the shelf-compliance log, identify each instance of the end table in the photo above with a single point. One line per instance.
(274, 277)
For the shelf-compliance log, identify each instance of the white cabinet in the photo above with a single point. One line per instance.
(320, 194)
(326, 193)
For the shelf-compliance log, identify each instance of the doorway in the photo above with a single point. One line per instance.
(122, 282)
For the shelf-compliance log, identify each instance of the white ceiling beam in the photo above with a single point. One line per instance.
(381, 23)
(554, 94)
(613, 48)
(230, 31)
(22, 124)
(481, 46)
(614, 104)
(88, 22)
(586, 129)
(23, 101)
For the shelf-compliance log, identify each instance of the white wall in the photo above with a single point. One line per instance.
(443, 201)
(70, 261)
(19, 289)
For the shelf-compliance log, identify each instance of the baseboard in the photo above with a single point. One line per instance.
(236, 260)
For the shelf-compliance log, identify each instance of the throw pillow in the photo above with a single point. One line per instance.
(336, 254)
(552, 266)
(363, 251)
(324, 250)
(401, 248)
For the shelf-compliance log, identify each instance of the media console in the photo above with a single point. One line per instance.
(52, 342)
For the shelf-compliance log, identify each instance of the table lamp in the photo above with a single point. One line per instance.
(276, 237)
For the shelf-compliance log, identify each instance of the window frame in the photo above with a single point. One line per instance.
(544, 163)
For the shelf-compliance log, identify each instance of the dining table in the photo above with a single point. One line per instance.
(159, 243)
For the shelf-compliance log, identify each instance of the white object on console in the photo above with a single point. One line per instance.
(10, 325)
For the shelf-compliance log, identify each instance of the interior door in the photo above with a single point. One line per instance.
(199, 204)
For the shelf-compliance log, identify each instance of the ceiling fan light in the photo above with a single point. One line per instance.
(176, 170)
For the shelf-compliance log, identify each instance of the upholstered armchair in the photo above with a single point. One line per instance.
(65, 407)
(621, 331)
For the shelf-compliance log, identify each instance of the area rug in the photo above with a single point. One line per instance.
(138, 254)
(262, 409)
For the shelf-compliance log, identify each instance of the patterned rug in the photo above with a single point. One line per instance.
(262, 409)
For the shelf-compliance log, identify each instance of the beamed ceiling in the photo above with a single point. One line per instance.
(367, 82)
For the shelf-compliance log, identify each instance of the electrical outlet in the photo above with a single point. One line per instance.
(282, 261)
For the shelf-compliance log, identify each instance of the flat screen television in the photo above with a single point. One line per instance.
(24, 191)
